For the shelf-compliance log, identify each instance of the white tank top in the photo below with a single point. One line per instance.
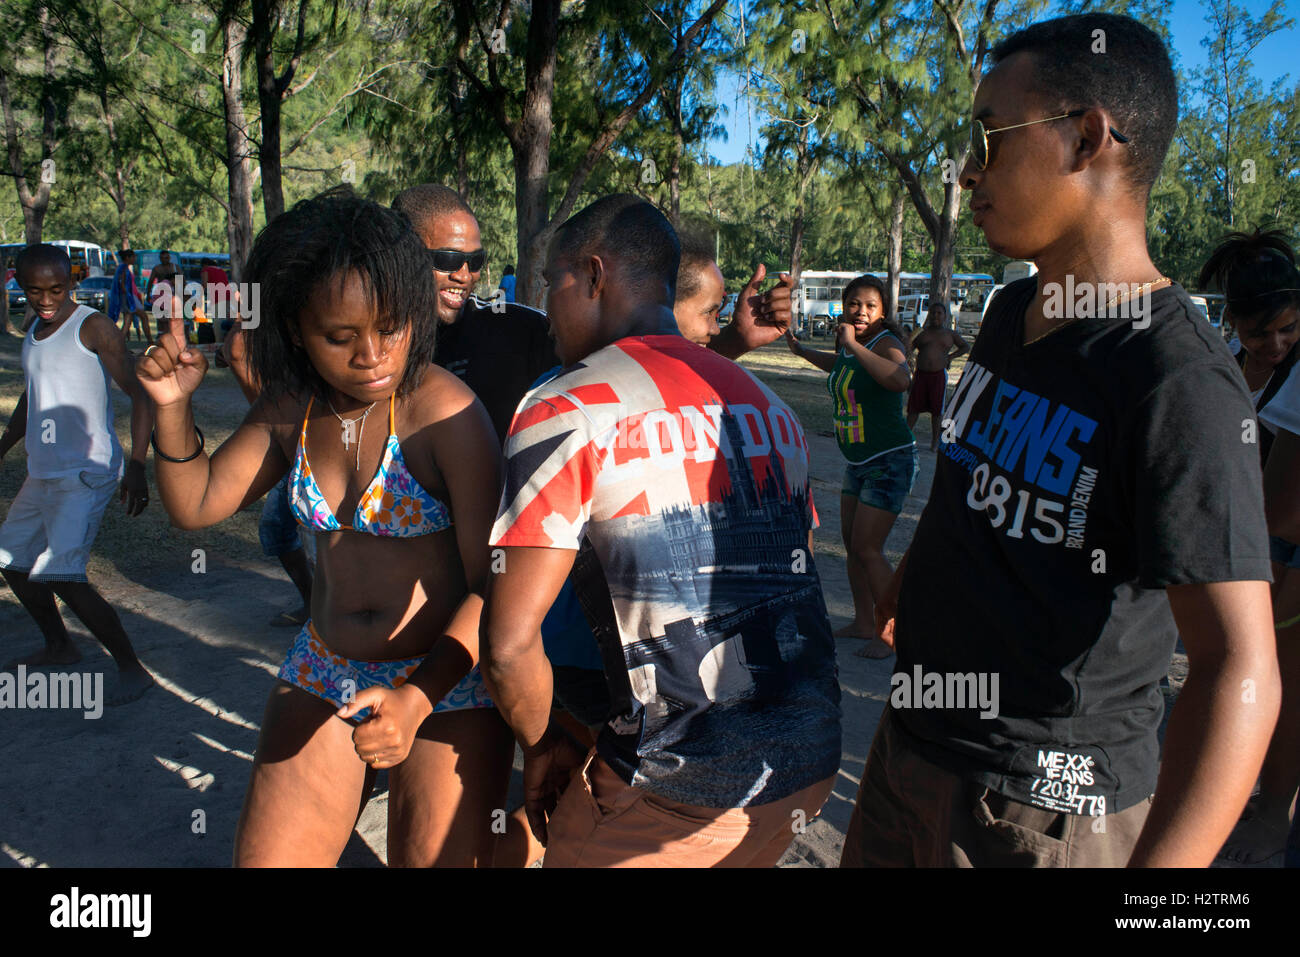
(69, 408)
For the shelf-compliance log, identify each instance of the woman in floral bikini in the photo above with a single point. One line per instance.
(384, 675)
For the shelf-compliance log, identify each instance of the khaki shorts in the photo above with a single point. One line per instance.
(53, 522)
(601, 821)
(913, 813)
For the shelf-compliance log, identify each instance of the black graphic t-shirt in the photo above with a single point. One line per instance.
(498, 354)
(1079, 476)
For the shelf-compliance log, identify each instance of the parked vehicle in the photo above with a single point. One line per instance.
(93, 292)
(17, 298)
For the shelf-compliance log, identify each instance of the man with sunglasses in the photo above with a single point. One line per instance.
(497, 350)
(1097, 473)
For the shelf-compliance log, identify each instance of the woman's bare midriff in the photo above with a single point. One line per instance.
(376, 599)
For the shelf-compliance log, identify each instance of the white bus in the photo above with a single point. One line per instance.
(88, 259)
(818, 301)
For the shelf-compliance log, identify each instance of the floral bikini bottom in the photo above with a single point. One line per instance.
(313, 667)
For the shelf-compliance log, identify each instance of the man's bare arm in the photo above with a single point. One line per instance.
(513, 662)
(1220, 726)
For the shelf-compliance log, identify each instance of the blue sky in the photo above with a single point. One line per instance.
(1273, 58)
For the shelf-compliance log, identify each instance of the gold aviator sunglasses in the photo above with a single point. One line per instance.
(979, 135)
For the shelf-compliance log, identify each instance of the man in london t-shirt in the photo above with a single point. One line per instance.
(679, 485)
(1097, 494)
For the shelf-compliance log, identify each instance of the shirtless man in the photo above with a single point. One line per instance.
(936, 346)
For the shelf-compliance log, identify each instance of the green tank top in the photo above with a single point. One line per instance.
(868, 417)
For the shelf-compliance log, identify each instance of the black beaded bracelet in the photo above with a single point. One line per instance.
(153, 440)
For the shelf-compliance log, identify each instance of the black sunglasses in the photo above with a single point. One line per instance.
(450, 260)
(979, 135)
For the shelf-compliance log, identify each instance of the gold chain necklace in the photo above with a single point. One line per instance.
(1146, 287)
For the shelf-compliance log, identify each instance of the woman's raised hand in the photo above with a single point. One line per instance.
(170, 371)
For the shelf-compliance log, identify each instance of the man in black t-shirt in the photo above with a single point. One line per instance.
(1098, 472)
(498, 348)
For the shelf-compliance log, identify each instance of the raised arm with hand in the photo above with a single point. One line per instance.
(890, 369)
(198, 491)
(759, 318)
(822, 360)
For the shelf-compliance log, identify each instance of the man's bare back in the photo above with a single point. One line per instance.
(934, 348)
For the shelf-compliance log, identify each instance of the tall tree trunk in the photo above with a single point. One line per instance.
(679, 141)
(34, 203)
(239, 148)
(532, 151)
(462, 173)
(121, 173)
(897, 209)
(806, 168)
(941, 262)
(268, 98)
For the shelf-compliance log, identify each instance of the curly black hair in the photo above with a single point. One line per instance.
(321, 240)
(1257, 274)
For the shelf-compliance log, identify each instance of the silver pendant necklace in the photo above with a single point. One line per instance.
(349, 427)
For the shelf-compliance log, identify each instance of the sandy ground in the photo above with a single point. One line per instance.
(160, 782)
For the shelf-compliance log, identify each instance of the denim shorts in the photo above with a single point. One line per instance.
(1284, 552)
(883, 482)
(277, 528)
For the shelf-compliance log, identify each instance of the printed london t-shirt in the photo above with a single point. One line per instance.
(689, 479)
(1080, 474)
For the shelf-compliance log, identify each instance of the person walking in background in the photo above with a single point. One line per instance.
(936, 346)
(216, 297)
(124, 298)
(867, 380)
(508, 283)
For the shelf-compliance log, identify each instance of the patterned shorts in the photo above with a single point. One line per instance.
(313, 667)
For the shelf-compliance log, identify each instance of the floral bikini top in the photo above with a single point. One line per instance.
(394, 505)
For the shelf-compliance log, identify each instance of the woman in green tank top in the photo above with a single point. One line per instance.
(868, 381)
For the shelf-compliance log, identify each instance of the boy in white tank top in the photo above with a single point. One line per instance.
(74, 464)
